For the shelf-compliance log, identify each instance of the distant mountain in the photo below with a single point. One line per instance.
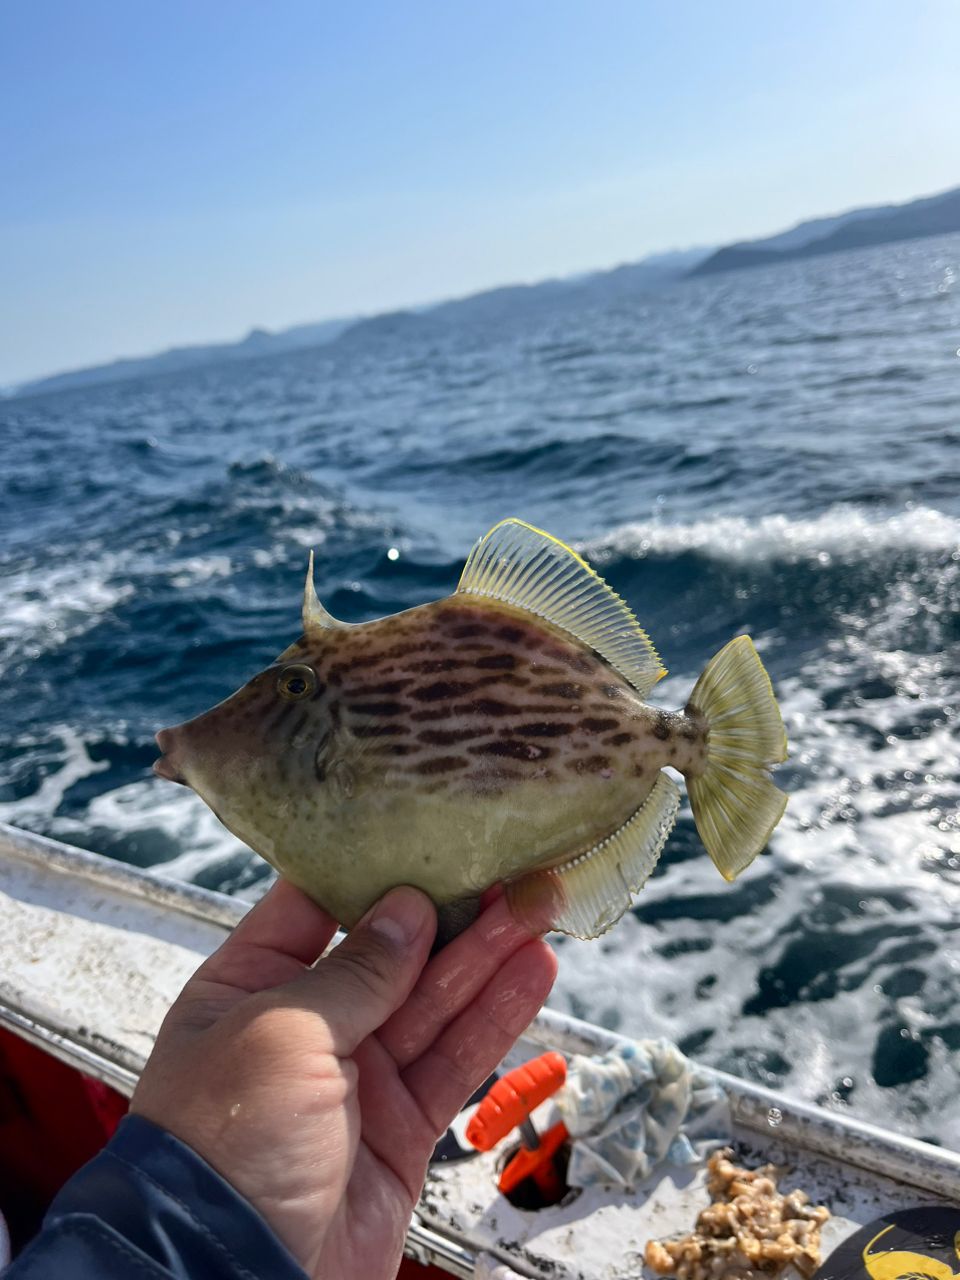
(881, 224)
(390, 324)
(652, 273)
(496, 306)
(492, 306)
(258, 342)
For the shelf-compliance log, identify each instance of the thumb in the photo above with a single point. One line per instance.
(368, 976)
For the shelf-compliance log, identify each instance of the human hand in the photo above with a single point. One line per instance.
(319, 1093)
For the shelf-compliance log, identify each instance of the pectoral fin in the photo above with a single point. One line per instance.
(585, 896)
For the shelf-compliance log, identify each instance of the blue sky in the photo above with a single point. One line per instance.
(178, 172)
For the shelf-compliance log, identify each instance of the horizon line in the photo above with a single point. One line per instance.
(13, 390)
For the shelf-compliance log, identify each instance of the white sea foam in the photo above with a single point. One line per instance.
(41, 608)
(864, 865)
(843, 533)
(140, 809)
(194, 569)
(43, 803)
(865, 862)
(138, 813)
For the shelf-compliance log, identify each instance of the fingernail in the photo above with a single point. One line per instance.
(401, 915)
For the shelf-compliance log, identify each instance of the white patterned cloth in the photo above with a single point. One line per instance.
(640, 1104)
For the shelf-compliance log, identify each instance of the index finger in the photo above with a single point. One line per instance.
(275, 941)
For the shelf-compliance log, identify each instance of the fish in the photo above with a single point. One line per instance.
(498, 736)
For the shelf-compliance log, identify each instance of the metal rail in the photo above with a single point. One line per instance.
(189, 899)
(81, 1057)
(430, 1249)
(826, 1133)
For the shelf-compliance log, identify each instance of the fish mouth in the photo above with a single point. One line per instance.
(162, 768)
(167, 741)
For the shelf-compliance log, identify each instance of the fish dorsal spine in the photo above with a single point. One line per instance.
(523, 566)
(315, 616)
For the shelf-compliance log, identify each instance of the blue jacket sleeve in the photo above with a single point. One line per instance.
(149, 1208)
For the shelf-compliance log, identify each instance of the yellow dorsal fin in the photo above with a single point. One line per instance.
(315, 616)
(528, 568)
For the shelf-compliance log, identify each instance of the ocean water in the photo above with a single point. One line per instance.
(771, 451)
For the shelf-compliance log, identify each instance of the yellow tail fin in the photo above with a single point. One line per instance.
(735, 804)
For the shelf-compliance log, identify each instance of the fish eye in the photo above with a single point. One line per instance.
(296, 682)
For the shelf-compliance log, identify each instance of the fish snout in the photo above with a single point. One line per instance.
(168, 766)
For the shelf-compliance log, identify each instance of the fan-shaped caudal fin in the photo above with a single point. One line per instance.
(735, 804)
(588, 894)
(532, 570)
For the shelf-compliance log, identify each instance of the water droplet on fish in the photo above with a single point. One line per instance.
(393, 554)
(774, 1117)
(235, 1110)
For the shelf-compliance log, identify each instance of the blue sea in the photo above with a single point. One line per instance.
(774, 451)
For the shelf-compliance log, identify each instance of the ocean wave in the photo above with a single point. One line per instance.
(42, 606)
(831, 969)
(71, 763)
(145, 822)
(844, 534)
(559, 459)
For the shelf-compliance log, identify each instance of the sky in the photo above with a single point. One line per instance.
(180, 172)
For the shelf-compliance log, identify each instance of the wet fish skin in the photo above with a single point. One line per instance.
(501, 734)
(449, 747)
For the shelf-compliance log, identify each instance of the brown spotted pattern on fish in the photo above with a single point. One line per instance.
(491, 690)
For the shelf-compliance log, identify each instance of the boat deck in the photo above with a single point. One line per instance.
(93, 952)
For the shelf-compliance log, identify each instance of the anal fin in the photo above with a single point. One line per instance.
(588, 894)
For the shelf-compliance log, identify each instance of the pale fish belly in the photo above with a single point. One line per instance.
(474, 742)
(449, 849)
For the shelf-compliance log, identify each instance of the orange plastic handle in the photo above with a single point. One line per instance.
(537, 1165)
(513, 1097)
